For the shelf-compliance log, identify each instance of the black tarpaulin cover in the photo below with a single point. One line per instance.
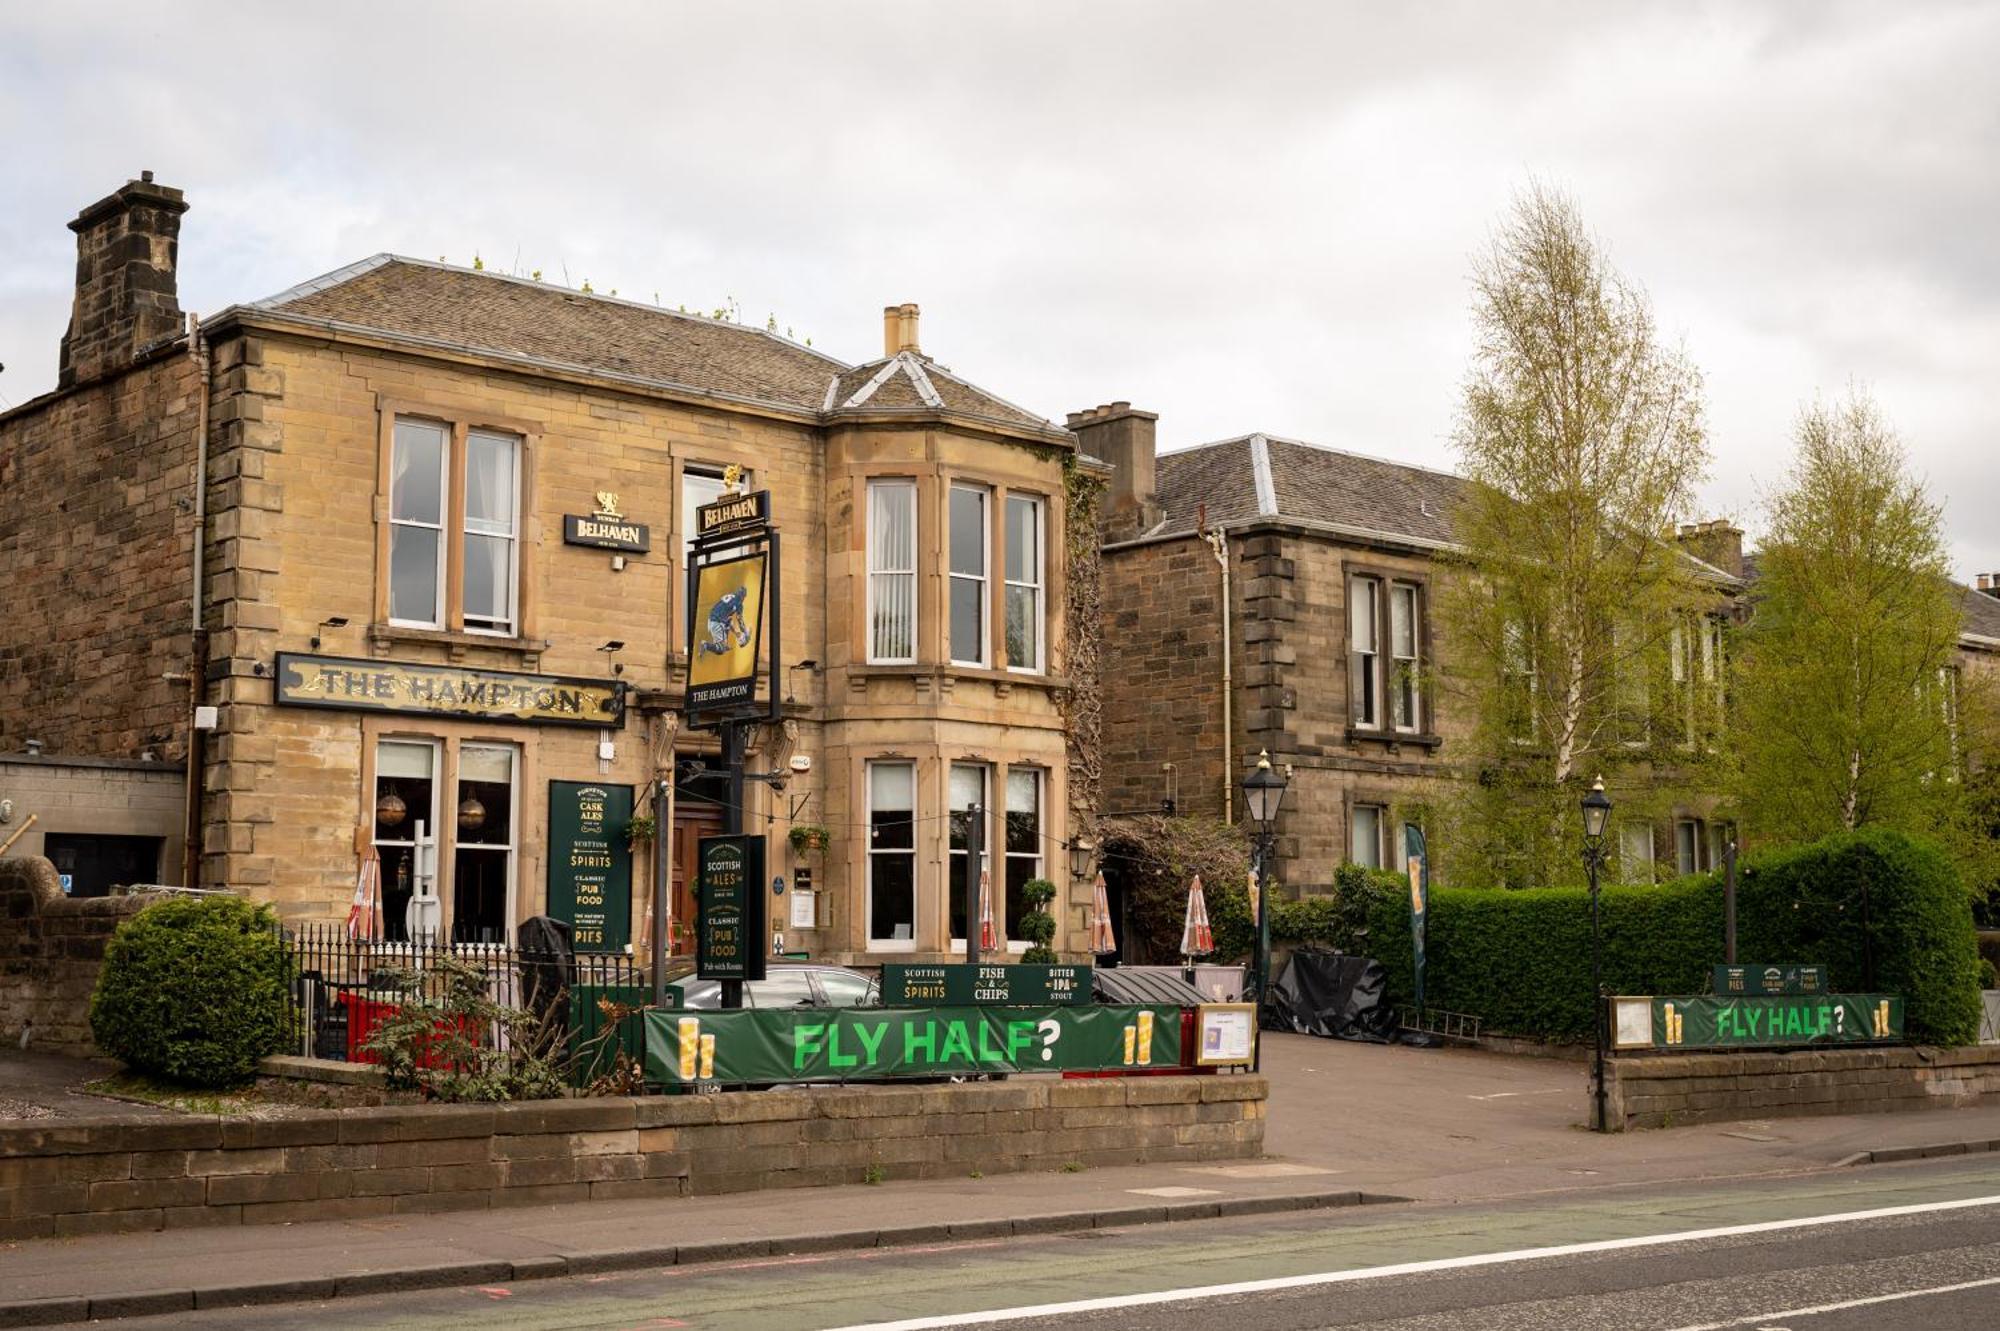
(1331, 994)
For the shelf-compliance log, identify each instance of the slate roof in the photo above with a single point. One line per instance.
(560, 328)
(1981, 613)
(1263, 476)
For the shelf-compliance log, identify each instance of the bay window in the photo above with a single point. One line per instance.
(970, 547)
(968, 790)
(1024, 841)
(892, 857)
(1024, 582)
(892, 572)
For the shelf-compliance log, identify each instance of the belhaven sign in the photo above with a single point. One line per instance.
(447, 691)
(733, 511)
(602, 533)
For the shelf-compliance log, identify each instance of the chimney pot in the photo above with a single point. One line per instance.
(899, 330)
(1116, 434)
(1990, 584)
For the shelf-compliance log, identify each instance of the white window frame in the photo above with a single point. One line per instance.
(1381, 812)
(984, 578)
(1364, 667)
(951, 856)
(916, 896)
(512, 626)
(512, 847)
(906, 490)
(442, 527)
(410, 819)
(1034, 860)
(1406, 682)
(1037, 563)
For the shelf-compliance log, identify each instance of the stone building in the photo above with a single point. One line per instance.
(1268, 594)
(405, 546)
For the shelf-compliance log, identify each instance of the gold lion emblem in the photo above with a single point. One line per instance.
(607, 505)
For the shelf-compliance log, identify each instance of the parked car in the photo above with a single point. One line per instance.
(787, 984)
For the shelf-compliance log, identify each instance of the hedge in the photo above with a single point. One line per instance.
(1520, 960)
(194, 991)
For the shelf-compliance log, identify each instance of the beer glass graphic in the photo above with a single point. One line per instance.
(707, 1055)
(691, 1038)
(1145, 1036)
(1131, 1038)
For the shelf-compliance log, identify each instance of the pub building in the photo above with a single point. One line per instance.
(394, 562)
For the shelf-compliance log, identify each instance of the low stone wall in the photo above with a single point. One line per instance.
(51, 947)
(73, 1177)
(1668, 1090)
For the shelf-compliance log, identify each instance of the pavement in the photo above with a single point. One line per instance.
(35, 1085)
(1349, 1124)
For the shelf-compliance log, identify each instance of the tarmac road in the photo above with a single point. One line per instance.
(1648, 1259)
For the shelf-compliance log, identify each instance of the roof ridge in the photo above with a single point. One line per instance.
(1365, 457)
(340, 276)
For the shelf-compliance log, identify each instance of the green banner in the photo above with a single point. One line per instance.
(999, 983)
(590, 863)
(878, 1044)
(1759, 1021)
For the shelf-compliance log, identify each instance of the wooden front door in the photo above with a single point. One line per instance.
(690, 825)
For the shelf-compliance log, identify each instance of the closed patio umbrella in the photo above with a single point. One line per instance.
(1197, 939)
(364, 915)
(987, 940)
(1102, 940)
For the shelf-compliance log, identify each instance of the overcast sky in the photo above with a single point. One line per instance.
(1241, 216)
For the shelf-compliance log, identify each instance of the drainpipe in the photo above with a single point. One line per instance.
(198, 636)
(1218, 544)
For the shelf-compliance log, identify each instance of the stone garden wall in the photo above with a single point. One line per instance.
(50, 949)
(1673, 1089)
(118, 1175)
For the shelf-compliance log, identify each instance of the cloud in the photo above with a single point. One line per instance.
(1256, 217)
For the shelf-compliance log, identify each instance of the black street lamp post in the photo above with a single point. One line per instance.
(1263, 792)
(1596, 814)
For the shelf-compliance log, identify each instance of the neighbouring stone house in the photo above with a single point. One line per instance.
(314, 549)
(1266, 594)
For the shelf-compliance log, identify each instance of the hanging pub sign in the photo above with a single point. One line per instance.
(730, 908)
(447, 691)
(728, 602)
(733, 562)
(590, 863)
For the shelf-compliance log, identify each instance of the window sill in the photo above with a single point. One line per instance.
(1030, 679)
(1416, 739)
(384, 637)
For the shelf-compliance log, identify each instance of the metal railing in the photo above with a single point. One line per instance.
(344, 987)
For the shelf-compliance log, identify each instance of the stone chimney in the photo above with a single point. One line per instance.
(1125, 438)
(899, 330)
(127, 248)
(1719, 543)
(1989, 583)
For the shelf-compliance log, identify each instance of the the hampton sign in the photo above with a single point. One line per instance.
(447, 691)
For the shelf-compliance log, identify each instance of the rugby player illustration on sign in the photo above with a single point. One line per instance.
(725, 624)
(728, 611)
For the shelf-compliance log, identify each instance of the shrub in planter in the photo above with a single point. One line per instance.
(1037, 926)
(194, 991)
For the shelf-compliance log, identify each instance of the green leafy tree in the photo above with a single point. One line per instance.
(1852, 710)
(1582, 435)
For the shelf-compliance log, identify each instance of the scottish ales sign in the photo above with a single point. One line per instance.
(590, 863)
(450, 692)
(729, 904)
(881, 1044)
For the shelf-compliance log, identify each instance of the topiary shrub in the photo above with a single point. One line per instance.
(1885, 912)
(1037, 926)
(193, 990)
